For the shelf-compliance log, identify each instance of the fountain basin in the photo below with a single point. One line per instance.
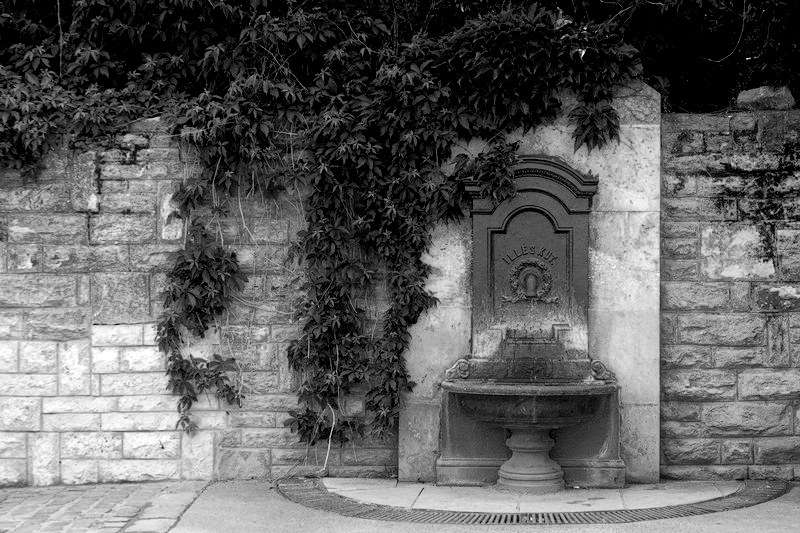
(529, 411)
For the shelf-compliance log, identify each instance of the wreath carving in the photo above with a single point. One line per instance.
(530, 281)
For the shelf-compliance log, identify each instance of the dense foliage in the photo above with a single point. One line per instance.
(359, 103)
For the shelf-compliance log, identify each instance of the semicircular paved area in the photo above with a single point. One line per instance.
(387, 499)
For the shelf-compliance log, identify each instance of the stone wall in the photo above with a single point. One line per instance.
(730, 325)
(83, 255)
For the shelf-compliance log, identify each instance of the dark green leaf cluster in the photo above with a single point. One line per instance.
(362, 105)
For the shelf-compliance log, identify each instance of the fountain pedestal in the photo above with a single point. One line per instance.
(530, 468)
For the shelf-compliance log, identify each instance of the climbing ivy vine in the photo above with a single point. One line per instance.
(364, 105)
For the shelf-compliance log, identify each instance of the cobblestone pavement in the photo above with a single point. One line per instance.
(129, 507)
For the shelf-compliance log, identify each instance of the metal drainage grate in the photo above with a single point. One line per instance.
(312, 493)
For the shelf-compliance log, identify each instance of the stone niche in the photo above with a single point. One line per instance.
(617, 285)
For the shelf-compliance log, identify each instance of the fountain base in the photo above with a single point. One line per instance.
(530, 468)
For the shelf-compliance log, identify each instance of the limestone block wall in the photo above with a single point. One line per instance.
(83, 255)
(730, 322)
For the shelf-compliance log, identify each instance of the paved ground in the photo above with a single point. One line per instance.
(130, 507)
(254, 506)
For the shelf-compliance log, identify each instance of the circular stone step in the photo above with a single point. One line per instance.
(386, 499)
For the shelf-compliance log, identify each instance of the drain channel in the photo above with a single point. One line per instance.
(312, 493)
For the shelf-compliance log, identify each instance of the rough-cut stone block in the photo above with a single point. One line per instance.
(197, 455)
(52, 229)
(13, 472)
(681, 430)
(44, 450)
(784, 298)
(685, 248)
(94, 445)
(774, 450)
(78, 472)
(115, 470)
(105, 359)
(129, 196)
(37, 290)
(117, 335)
(765, 97)
(748, 418)
(738, 452)
(45, 197)
(170, 227)
(138, 421)
(21, 257)
(252, 419)
(704, 472)
(28, 384)
(8, 356)
(698, 208)
(693, 295)
(242, 464)
(74, 365)
(58, 324)
(13, 446)
(691, 451)
(151, 445)
(78, 404)
(116, 229)
(734, 252)
(164, 402)
(141, 359)
(762, 384)
(83, 258)
(668, 328)
(785, 472)
(155, 257)
(20, 414)
(260, 382)
(39, 357)
(699, 384)
(680, 411)
(266, 438)
(71, 422)
(315, 455)
(686, 356)
(726, 330)
(119, 298)
(788, 248)
(733, 357)
(271, 402)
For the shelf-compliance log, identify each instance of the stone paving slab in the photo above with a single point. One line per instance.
(493, 500)
(128, 507)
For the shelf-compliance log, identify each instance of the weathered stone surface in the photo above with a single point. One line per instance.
(78, 404)
(37, 290)
(733, 252)
(74, 362)
(71, 422)
(733, 357)
(137, 470)
(785, 472)
(141, 359)
(94, 445)
(694, 295)
(120, 298)
(686, 356)
(58, 324)
(117, 229)
(737, 452)
(155, 257)
(81, 258)
(748, 418)
(52, 229)
(151, 445)
(679, 248)
(726, 330)
(38, 357)
(775, 450)
(105, 359)
(784, 298)
(699, 384)
(242, 464)
(78, 472)
(691, 451)
(418, 442)
(680, 411)
(197, 455)
(137, 421)
(127, 384)
(28, 384)
(13, 446)
(20, 258)
(13, 472)
(758, 384)
(698, 208)
(44, 450)
(765, 97)
(265, 438)
(703, 472)
(117, 335)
